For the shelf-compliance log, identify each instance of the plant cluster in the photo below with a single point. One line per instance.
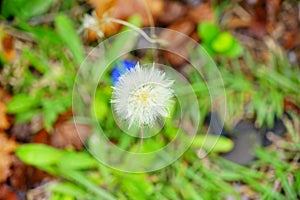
(41, 83)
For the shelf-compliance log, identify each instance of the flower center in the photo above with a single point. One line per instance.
(143, 97)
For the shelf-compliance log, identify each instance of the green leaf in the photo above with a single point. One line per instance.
(260, 108)
(50, 111)
(214, 143)
(208, 49)
(223, 42)
(49, 117)
(69, 36)
(67, 197)
(21, 103)
(66, 4)
(70, 189)
(10, 7)
(55, 196)
(137, 187)
(77, 160)
(99, 106)
(23, 9)
(207, 31)
(51, 108)
(38, 154)
(40, 64)
(81, 179)
(45, 37)
(26, 116)
(236, 50)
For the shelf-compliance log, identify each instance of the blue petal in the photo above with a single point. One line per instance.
(120, 68)
(115, 74)
(128, 64)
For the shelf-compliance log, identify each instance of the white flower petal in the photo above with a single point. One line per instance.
(142, 95)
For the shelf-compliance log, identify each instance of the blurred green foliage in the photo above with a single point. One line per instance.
(24, 10)
(253, 90)
(46, 83)
(217, 42)
(49, 91)
(48, 69)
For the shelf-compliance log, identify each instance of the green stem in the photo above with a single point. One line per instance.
(141, 139)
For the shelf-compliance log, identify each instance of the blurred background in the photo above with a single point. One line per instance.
(255, 45)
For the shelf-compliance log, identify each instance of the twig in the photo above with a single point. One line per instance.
(140, 31)
(19, 34)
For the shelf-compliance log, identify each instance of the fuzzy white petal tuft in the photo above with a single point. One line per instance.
(142, 95)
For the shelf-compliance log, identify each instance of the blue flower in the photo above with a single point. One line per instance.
(120, 68)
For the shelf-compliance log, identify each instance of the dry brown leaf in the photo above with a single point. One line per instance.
(41, 137)
(6, 193)
(178, 42)
(121, 9)
(25, 177)
(67, 134)
(7, 146)
(102, 6)
(184, 26)
(4, 124)
(257, 29)
(272, 8)
(18, 178)
(103, 9)
(203, 12)
(7, 46)
(125, 9)
(21, 132)
(172, 11)
(236, 22)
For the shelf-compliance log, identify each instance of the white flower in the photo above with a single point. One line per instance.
(142, 95)
(91, 22)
